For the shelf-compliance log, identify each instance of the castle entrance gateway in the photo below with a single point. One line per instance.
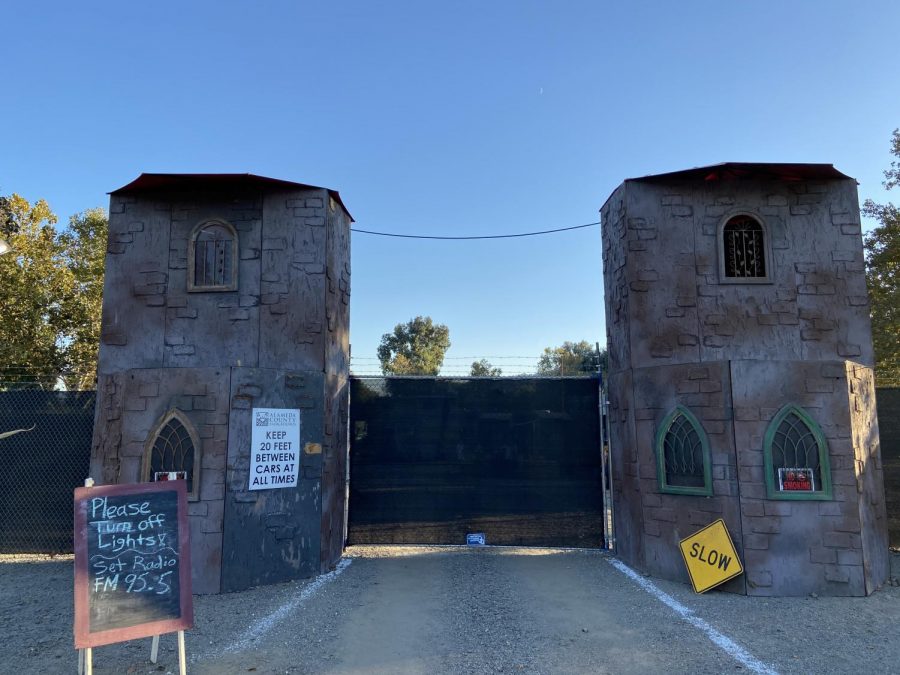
(435, 459)
(740, 387)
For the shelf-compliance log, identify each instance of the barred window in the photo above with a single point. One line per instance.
(796, 457)
(744, 249)
(682, 453)
(173, 451)
(212, 258)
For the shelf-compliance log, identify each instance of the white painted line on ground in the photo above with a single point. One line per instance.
(723, 642)
(264, 625)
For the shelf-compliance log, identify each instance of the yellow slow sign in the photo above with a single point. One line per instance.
(710, 557)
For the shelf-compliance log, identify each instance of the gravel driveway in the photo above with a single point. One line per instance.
(459, 610)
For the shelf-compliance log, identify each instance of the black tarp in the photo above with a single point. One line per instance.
(432, 459)
(888, 402)
(42, 467)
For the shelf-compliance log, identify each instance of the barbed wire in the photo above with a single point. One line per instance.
(527, 365)
(33, 376)
(509, 365)
(456, 358)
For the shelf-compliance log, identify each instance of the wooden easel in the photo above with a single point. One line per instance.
(86, 659)
(86, 655)
(182, 660)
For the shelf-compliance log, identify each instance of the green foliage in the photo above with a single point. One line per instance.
(7, 224)
(882, 247)
(33, 279)
(483, 368)
(414, 348)
(50, 289)
(85, 249)
(572, 358)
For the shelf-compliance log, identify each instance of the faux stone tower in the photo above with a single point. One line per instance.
(740, 376)
(226, 293)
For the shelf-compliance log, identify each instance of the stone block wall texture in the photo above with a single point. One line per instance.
(272, 535)
(130, 406)
(666, 519)
(734, 354)
(279, 340)
(336, 411)
(661, 265)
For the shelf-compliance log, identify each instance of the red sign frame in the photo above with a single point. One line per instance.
(799, 479)
(83, 635)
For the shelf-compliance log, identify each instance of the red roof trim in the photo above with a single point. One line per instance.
(737, 170)
(150, 182)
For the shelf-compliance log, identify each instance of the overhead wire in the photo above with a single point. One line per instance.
(481, 236)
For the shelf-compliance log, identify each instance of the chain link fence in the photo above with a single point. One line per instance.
(888, 399)
(44, 460)
(45, 463)
(887, 374)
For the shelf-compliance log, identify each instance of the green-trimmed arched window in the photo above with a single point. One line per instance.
(796, 457)
(683, 460)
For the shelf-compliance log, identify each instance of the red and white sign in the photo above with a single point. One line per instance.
(170, 475)
(796, 480)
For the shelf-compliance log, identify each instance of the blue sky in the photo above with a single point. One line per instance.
(446, 118)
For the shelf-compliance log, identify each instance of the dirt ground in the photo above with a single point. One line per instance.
(463, 610)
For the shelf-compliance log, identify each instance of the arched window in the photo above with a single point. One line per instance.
(743, 250)
(682, 455)
(174, 448)
(796, 457)
(212, 258)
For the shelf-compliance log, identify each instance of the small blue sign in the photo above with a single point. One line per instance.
(475, 539)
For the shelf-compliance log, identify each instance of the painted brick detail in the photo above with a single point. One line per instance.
(734, 353)
(165, 346)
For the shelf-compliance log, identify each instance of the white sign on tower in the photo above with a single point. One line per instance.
(274, 448)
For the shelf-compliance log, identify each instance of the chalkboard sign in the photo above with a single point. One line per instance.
(132, 562)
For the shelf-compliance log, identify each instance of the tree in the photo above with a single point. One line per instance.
(85, 250)
(882, 246)
(414, 348)
(483, 368)
(33, 279)
(7, 224)
(572, 358)
(50, 288)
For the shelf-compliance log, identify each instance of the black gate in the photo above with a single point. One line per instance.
(432, 459)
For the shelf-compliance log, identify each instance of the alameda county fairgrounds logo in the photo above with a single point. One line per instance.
(266, 418)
